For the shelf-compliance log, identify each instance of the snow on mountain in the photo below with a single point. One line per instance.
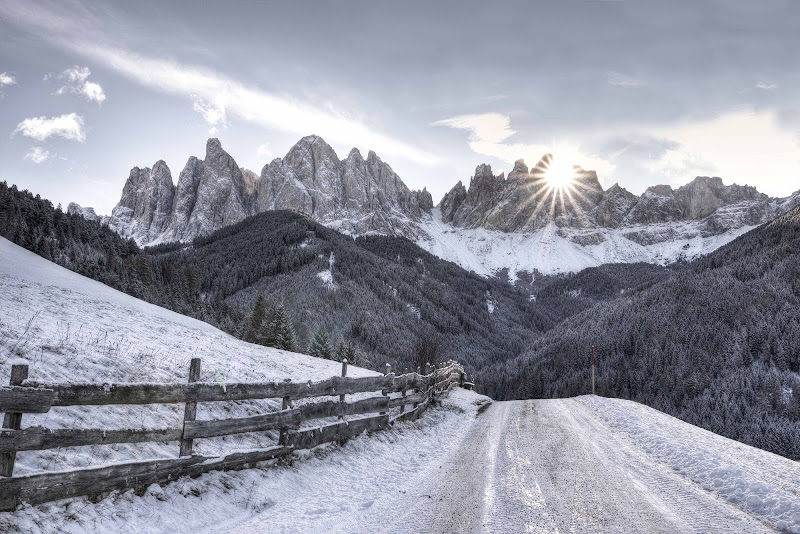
(554, 250)
(519, 222)
(523, 224)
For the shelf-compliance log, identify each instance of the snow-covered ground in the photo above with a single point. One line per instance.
(72, 329)
(588, 464)
(592, 464)
(549, 252)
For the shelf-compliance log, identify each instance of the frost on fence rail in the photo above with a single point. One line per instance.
(25, 396)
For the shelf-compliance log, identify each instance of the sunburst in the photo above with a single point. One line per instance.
(560, 174)
(557, 185)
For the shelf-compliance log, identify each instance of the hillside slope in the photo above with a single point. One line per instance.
(73, 329)
(383, 293)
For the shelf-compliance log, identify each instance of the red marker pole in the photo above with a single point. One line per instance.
(592, 369)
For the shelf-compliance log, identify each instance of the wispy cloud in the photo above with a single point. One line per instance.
(6, 79)
(37, 154)
(264, 151)
(77, 82)
(40, 128)
(767, 86)
(214, 95)
(623, 80)
(489, 134)
(212, 113)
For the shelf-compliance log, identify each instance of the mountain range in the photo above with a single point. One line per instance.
(510, 224)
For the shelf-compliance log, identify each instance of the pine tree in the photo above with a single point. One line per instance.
(252, 327)
(346, 350)
(277, 330)
(320, 346)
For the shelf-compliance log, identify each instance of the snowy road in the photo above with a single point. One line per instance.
(554, 466)
(587, 464)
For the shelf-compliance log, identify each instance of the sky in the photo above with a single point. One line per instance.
(642, 92)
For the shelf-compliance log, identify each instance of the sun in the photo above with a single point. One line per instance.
(560, 173)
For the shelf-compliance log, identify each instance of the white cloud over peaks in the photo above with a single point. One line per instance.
(78, 83)
(7, 79)
(213, 114)
(489, 132)
(216, 96)
(86, 34)
(264, 151)
(40, 128)
(743, 146)
(37, 154)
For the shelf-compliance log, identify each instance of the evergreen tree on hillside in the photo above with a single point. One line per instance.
(277, 330)
(320, 345)
(252, 331)
(283, 330)
(346, 350)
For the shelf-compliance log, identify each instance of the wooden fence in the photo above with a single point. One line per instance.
(417, 391)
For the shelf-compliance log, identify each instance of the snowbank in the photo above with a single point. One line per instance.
(761, 483)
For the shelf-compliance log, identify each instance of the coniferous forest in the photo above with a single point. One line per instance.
(715, 342)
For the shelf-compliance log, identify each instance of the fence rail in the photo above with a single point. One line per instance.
(26, 396)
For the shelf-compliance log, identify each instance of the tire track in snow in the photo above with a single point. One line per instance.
(545, 466)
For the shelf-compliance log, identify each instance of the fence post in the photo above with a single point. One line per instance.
(190, 410)
(284, 434)
(12, 420)
(384, 392)
(341, 397)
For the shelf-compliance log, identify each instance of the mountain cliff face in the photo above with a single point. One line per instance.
(519, 222)
(523, 202)
(355, 195)
(526, 202)
(522, 223)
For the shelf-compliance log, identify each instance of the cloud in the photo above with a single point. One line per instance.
(767, 86)
(40, 128)
(37, 154)
(623, 80)
(743, 146)
(6, 79)
(85, 34)
(490, 131)
(264, 151)
(212, 113)
(214, 96)
(78, 83)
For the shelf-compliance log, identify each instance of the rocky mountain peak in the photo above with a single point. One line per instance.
(361, 195)
(660, 190)
(519, 171)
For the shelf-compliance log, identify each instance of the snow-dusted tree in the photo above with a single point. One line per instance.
(320, 345)
(252, 331)
(346, 349)
(277, 330)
